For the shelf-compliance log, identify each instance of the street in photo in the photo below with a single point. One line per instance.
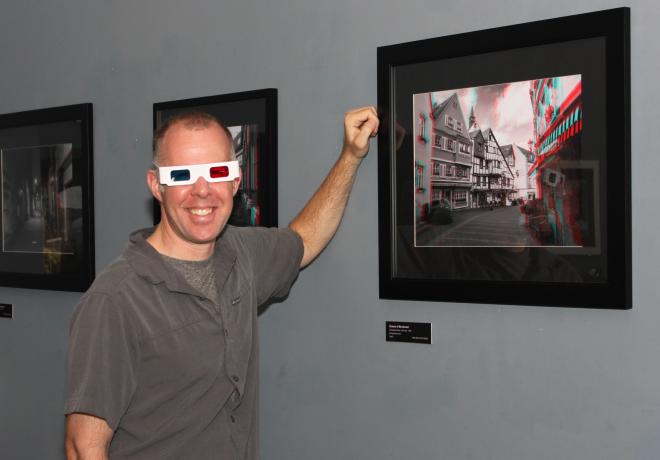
(41, 205)
(501, 166)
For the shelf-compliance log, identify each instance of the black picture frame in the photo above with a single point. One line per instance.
(576, 215)
(47, 219)
(251, 116)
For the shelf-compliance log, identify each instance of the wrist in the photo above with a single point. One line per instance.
(350, 157)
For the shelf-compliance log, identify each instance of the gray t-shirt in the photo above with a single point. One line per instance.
(200, 274)
(173, 373)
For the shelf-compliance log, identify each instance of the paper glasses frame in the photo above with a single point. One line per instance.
(197, 171)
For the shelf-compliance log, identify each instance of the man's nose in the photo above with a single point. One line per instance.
(200, 187)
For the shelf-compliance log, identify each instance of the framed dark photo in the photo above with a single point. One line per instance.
(47, 221)
(504, 165)
(251, 117)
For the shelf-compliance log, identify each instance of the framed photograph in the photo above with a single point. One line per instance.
(47, 221)
(251, 117)
(504, 165)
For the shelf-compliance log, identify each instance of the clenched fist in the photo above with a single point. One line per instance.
(359, 126)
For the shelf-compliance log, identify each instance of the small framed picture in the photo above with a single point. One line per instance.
(504, 165)
(251, 118)
(47, 222)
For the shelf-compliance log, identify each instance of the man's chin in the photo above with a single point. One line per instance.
(206, 237)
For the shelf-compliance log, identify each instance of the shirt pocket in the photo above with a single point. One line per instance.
(184, 355)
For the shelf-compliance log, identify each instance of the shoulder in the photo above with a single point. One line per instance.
(137, 264)
(112, 277)
(245, 237)
(107, 294)
(232, 233)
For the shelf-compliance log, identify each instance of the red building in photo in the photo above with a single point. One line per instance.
(565, 183)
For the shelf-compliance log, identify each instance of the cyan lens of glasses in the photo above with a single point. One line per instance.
(180, 175)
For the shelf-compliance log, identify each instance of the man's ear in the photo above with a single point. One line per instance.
(237, 182)
(154, 185)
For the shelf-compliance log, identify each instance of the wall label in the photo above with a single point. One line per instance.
(398, 331)
(6, 310)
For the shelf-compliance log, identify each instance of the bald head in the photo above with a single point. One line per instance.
(193, 120)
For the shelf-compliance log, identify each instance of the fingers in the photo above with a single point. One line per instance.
(369, 108)
(363, 117)
(361, 114)
(368, 129)
(359, 125)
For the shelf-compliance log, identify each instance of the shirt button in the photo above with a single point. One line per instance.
(232, 418)
(226, 333)
(235, 378)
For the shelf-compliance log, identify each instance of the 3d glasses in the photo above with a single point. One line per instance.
(188, 174)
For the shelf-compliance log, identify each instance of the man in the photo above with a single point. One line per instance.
(163, 347)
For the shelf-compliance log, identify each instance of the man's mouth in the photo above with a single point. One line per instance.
(200, 211)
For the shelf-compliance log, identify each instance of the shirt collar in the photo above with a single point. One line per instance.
(148, 263)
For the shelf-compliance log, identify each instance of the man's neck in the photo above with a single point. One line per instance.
(173, 246)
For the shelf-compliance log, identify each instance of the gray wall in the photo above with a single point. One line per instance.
(499, 382)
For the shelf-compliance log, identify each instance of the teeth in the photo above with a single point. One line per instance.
(200, 211)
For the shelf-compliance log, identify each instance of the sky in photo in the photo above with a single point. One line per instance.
(505, 108)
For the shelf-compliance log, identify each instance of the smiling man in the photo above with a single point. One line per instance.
(163, 347)
(193, 215)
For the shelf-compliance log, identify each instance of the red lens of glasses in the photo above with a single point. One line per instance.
(219, 171)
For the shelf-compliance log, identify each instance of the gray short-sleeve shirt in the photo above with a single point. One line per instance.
(173, 373)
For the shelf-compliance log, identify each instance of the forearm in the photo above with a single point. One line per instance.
(318, 221)
(78, 452)
(87, 437)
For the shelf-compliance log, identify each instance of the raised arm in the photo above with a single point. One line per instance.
(87, 437)
(318, 221)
